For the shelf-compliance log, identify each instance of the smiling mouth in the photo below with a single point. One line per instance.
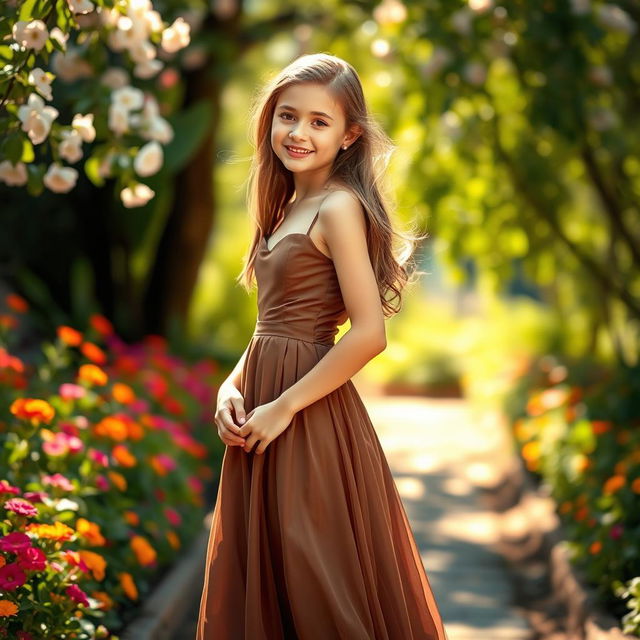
(298, 150)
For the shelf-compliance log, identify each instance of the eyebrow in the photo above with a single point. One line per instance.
(314, 113)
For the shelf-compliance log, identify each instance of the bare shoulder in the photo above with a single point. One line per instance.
(342, 211)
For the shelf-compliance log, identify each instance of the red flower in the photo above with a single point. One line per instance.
(32, 559)
(15, 542)
(11, 576)
(77, 594)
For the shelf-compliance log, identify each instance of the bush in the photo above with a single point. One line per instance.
(104, 453)
(577, 430)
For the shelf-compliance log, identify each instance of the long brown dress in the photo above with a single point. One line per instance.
(309, 540)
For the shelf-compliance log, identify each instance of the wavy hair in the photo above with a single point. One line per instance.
(360, 168)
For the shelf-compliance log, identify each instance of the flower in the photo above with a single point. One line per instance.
(613, 484)
(614, 18)
(15, 542)
(172, 516)
(112, 427)
(14, 175)
(36, 118)
(123, 393)
(77, 594)
(70, 391)
(32, 559)
(95, 562)
(69, 335)
(21, 507)
(31, 35)
(99, 457)
(81, 6)
(90, 531)
(32, 409)
(123, 456)
(83, 124)
(92, 374)
(70, 65)
(136, 196)
(5, 487)
(128, 585)
(118, 480)
(70, 147)
(12, 577)
(149, 159)
(58, 480)
(8, 608)
(60, 179)
(127, 98)
(55, 531)
(176, 36)
(41, 80)
(145, 553)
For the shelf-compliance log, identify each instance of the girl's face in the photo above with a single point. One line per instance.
(308, 118)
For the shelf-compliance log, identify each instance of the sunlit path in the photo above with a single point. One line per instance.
(439, 451)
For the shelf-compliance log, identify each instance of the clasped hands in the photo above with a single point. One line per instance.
(264, 423)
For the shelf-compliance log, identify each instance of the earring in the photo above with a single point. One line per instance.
(344, 146)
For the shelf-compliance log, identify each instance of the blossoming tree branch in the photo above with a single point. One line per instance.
(76, 83)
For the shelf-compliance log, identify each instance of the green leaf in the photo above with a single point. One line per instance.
(27, 151)
(35, 172)
(189, 126)
(12, 147)
(20, 452)
(91, 167)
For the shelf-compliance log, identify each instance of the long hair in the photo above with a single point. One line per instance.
(360, 167)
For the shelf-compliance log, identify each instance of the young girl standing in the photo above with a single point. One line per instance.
(309, 537)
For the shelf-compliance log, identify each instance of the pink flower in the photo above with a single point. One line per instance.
(5, 487)
(139, 405)
(77, 594)
(70, 391)
(32, 559)
(20, 506)
(616, 531)
(69, 427)
(172, 516)
(166, 461)
(99, 456)
(195, 483)
(11, 577)
(56, 447)
(58, 480)
(15, 542)
(102, 483)
(35, 496)
(56, 566)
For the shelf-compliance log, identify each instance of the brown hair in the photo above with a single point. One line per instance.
(360, 168)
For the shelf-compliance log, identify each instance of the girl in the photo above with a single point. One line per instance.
(309, 537)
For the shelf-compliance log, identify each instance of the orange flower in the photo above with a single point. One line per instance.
(33, 409)
(132, 518)
(2, 561)
(158, 467)
(173, 539)
(8, 608)
(583, 462)
(136, 431)
(101, 324)
(55, 531)
(95, 562)
(601, 426)
(123, 456)
(581, 514)
(123, 393)
(69, 335)
(118, 479)
(566, 506)
(145, 553)
(7, 321)
(112, 427)
(613, 484)
(17, 303)
(595, 547)
(105, 600)
(531, 451)
(128, 585)
(92, 374)
(90, 531)
(635, 485)
(93, 352)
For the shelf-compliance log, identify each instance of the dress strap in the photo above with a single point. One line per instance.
(315, 218)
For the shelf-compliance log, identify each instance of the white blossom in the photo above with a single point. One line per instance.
(462, 22)
(15, 175)
(36, 118)
(41, 80)
(149, 159)
(60, 179)
(84, 126)
(59, 36)
(118, 119)
(148, 69)
(176, 36)
(614, 18)
(32, 35)
(81, 6)
(115, 78)
(480, 6)
(70, 65)
(70, 147)
(136, 196)
(127, 98)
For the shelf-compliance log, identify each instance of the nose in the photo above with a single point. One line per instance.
(297, 131)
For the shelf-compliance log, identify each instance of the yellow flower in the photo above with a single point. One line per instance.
(8, 608)
(93, 374)
(95, 562)
(55, 531)
(128, 585)
(90, 531)
(145, 553)
(33, 409)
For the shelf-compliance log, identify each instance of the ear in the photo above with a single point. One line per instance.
(354, 132)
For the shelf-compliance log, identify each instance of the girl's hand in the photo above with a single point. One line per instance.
(265, 423)
(230, 401)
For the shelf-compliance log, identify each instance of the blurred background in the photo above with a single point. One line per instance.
(517, 150)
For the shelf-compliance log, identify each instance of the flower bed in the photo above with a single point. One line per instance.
(105, 450)
(576, 427)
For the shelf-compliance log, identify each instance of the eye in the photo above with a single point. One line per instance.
(284, 113)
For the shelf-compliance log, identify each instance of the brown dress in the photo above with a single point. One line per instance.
(309, 540)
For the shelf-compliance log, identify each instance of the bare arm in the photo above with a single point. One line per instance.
(344, 230)
(234, 377)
